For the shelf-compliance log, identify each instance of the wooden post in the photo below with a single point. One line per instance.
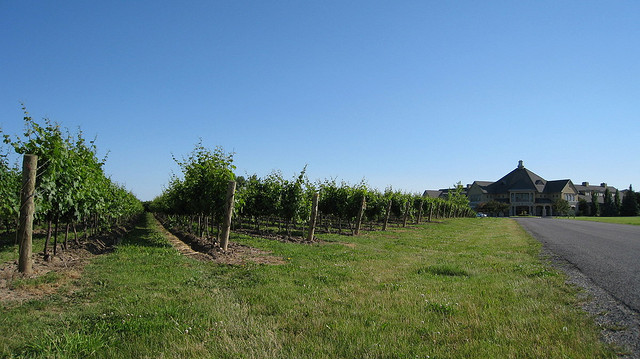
(360, 214)
(430, 211)
(231, 190)
(406, 213)
(25, 230)
(386, 217)
(314, 216)
(420, 212)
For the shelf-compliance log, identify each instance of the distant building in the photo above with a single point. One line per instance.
(586, 191)
(527, 193)
(434, 193)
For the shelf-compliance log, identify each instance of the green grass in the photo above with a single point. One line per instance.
(618, 220)
(9, 248)
(464, 288)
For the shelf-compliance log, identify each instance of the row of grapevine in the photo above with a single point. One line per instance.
(193, 202)
(71, 186)
(9, 194)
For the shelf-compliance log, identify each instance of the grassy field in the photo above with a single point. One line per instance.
(466, 288)
(618, 220)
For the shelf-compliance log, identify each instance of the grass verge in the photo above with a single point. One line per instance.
(617, 220)
(465, 288)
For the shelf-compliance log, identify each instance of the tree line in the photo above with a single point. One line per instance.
(614, 204)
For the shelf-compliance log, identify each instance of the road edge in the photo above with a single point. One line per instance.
(619, 325)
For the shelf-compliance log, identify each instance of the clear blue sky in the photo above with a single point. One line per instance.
(414, 94)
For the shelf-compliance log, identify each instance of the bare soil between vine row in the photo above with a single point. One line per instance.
(68, 264)
(201, 249)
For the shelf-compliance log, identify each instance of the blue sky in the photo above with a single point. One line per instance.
(414, 94)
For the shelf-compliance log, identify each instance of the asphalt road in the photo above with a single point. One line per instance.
(609, 254)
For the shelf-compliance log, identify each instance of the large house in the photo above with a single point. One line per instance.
(527, 193)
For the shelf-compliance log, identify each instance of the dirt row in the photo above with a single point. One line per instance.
(69, 264)
(202, 249)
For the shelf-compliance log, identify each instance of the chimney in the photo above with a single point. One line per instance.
(586, 184)
(603, 185)
(520, 164)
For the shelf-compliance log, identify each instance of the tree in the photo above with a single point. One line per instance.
(584, 209)
(608, 208)
(617, 203)
(561, 207)
(595, 206)
(629, 205)
(494, 208)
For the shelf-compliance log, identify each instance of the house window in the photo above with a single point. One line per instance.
(521, 197)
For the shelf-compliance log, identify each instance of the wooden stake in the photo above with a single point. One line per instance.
(430, 212)
(25, 230)
(314, 216)
(406, 213)
(386, 217)
(231, 190)
(363, 205)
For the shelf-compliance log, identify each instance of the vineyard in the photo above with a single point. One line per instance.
(71, 189)
(275, 206)
(73, 194)
(461, 288)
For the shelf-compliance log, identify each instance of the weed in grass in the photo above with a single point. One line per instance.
(445, 270)
(440, 308)
(535, 270)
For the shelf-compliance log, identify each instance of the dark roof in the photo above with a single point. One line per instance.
(432, 193)
(518, 179)
(599, 189)
(483, 185)
(445, 191)
(556, 186)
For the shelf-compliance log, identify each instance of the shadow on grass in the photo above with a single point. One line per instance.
(7, 240)
(145, 235)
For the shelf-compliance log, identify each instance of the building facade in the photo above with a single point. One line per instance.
(525, 192)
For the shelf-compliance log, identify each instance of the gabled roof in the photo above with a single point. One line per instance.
(557, 186)
(518, 179)
(483, 185)
(432, 193)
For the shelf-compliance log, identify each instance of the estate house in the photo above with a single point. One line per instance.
(525, 192)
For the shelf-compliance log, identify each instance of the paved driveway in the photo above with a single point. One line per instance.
(609, 254)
